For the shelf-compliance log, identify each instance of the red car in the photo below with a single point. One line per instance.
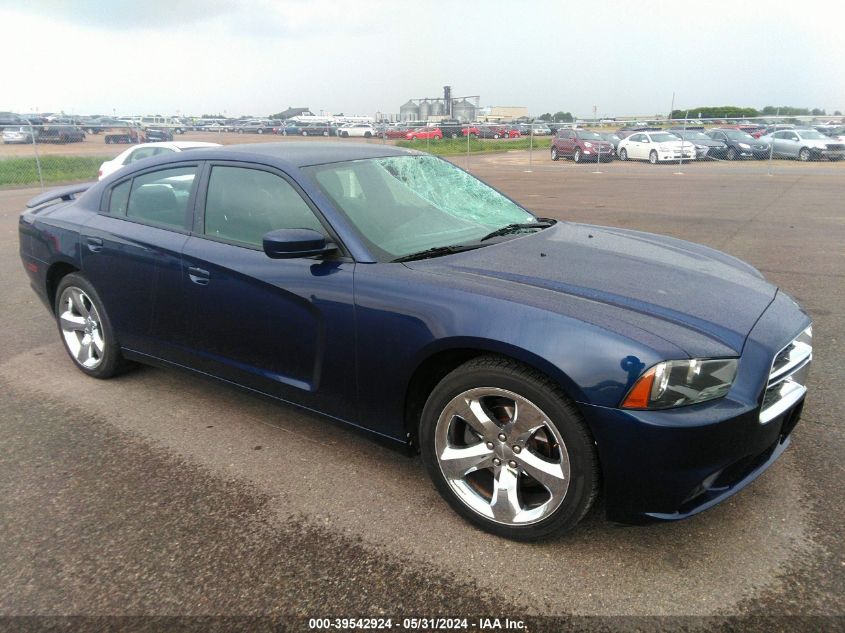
(423, 133)
(512, 132)
(395, 132)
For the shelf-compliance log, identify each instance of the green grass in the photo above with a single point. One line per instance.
(23, 171)
(449, 147)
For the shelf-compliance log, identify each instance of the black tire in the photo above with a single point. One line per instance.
(623, 154)
(731, 154)
(260, 131)
(804, 154)
(576, 155)
(652, 157)
(555, 155)
(367, 135)
(506, 374)
(345, 134)
(454, 135)
(111, 362)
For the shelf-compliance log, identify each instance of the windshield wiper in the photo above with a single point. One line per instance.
(515, 228)
(437, 251)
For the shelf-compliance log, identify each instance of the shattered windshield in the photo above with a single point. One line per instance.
(405, 204)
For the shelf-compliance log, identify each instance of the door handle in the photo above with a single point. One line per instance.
(95, 244)
(198, 275)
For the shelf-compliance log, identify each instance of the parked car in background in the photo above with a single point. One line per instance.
(390, 290)
(739, 144)
(655, 147)
(835, 132)
(395, 131)
(427, 132)
(289, 128)
(147, 150)
(804, 144)
(19, 134)
(628, 130)
(705, 146)
(512, 132)
(317, 129)
(257, 127)
(154, 134)
(365, 130)
(580, 145)
(493, 131)
(97, 126)
(539, 129)
(61, 134)
(456, 129)
(124, 134)
(523, 128)
(611, 137)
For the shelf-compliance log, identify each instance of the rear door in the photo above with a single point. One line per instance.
(131, 253)
(284, 327)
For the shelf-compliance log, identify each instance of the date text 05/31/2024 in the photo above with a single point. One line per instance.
(415, 624)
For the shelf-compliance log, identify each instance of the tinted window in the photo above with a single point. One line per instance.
(161, 197)
(119, 198)
(244, 204)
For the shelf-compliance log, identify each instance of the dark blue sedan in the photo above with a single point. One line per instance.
(534, 363)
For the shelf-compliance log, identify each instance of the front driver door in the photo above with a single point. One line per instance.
(284, 327)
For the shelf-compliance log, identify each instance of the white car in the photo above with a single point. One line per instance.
(655, 147)
(357, 129)
(146, 150)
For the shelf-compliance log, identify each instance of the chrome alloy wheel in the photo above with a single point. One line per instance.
(81, 327)
(501, 456)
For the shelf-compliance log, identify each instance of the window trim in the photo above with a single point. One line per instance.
(187, 221)
(198, 225)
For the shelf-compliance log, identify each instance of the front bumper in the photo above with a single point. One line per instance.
(669, 465)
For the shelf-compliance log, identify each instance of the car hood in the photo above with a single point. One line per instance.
(648, 275)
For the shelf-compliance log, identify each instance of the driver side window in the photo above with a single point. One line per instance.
(243, 204)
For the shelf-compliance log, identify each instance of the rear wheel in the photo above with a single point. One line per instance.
(260, 131)
(652, 157)
(508, 451)
(304, 133)
(85, 328)
(367, 135)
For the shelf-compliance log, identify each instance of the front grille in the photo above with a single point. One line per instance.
(836, 147)
(788, 377)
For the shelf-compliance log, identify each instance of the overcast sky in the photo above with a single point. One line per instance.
(366, 56)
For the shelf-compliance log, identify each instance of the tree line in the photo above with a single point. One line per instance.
(733, 112)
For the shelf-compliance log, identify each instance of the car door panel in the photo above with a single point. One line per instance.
(284, 327)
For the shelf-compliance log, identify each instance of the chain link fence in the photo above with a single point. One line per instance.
(51, 154)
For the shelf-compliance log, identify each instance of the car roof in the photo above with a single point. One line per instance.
(302, 154)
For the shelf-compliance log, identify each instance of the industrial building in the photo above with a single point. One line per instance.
(438, 108)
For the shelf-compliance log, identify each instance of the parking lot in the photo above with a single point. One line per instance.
(162, 493)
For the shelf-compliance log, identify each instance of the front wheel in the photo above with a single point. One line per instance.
(623, 154)
(304, 133)
(576, 157)
(85, 328)
(731, 155)
(555, 155)
(260, 131)
(508, 451)
(652, 157)
(804, 155)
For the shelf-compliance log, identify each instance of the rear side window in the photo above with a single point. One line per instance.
(243, 204)
(161, 197)
(119, 198)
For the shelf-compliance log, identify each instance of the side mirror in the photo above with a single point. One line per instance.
(292, 243)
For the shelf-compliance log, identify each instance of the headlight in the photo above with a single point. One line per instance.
(745, 146)
(675, 383)
(587, 144)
